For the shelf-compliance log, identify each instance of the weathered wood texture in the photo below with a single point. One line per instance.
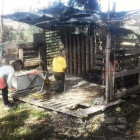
(80, 54)
(82, 58)
(70, 55)
(21, 54)
(40, 42)
(28, 55)
(33, 54)
(54, 42)
(124, 70)
(63, 105)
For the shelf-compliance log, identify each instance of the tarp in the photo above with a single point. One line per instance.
(58, 16)
(63, 16)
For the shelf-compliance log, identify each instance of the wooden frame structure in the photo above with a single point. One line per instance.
(117, 59)
(30, 55)
(34, 54)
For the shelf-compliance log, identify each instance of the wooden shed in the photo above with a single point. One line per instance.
(115, 59)
(108, 56)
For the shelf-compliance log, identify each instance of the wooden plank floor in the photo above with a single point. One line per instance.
(77, 100)
(62, 105)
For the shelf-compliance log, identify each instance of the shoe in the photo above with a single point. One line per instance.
(7, 107)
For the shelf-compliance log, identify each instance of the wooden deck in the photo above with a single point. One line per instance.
(63, 105)
(76, 101)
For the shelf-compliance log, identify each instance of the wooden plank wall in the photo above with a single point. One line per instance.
(28, 53)
(39, 41)
(80, 54)
(126, 78)
(53, 45)
(82, 58)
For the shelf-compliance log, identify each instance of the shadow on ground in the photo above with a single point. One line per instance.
(28, 123)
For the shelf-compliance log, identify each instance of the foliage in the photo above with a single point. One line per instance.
(87, 4)
(17, 123)
(84, 4)
(26, 122)
(55, 3)
(19, 32)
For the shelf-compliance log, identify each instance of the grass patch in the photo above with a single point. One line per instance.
(26, 122)
(37, 115)
(18, 123)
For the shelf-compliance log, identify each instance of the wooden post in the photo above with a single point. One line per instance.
(1, 21)
(74, 55)
(1, 34)
(83, 55)
(87, 55)
(78, 53)
(21, 54)
(108, 48)
(91, 53)
(70, 54)
(39, 39)
(66, 47)
(108, 10)
(111, 81)
(114, 8)
(95, 51)
(40, 58)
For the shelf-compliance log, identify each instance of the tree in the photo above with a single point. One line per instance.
(16, 32)
(86, 4)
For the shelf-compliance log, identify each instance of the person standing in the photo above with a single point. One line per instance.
(7, 72)
(59, 67)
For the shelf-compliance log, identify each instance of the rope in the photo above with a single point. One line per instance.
(107, 71)
(113, 70)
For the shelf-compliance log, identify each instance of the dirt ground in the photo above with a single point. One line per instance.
(95, 127)
(58, 126)
(100, 126)
(76, 89)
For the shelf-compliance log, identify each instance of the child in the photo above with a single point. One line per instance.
(8, 71)
(59, 67)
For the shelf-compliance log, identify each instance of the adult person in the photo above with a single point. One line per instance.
(59, 67)
(7, 72)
